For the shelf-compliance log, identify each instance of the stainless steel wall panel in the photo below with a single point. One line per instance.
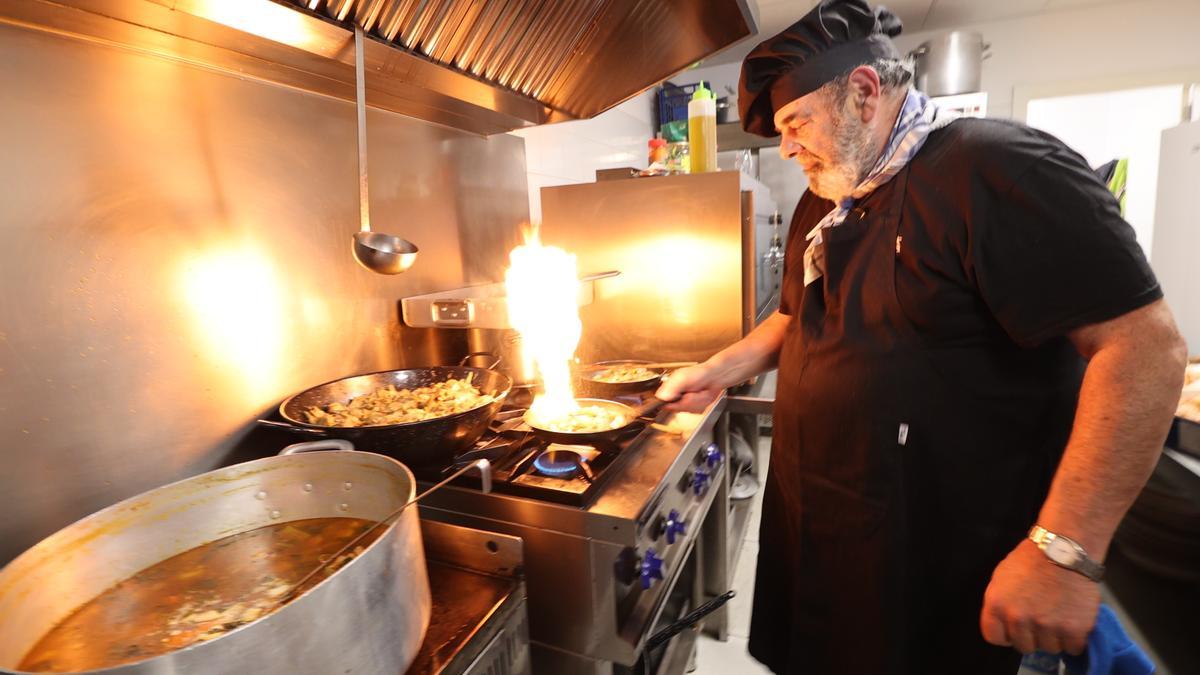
(175, 254)
(678, 242)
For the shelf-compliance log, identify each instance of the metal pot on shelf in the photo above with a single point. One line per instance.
(950, 63)
(369, 616)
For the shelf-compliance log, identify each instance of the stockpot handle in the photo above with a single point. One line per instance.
(338, 444)
(498, 358)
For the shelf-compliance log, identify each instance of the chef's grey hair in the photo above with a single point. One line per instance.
(894, 75)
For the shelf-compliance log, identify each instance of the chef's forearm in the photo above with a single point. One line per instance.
(1129, 395)
(754, 354)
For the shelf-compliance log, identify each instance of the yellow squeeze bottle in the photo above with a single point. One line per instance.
(702, 130)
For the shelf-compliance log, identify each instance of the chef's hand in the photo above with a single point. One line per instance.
(1032, 604)
(691, 389)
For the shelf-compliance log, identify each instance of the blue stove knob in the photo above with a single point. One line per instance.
(650, 569)
(675, 526)
(713, 455)
(700, 479)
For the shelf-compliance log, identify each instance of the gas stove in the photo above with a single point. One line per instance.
(605, 543)
(526, 464)
(478, 616)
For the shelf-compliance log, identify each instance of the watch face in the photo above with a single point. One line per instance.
(1062, 553)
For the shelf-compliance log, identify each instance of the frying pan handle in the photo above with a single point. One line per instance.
(472, 355)
(596, 276)
(290, 427)
(314, 446)
(649, 407)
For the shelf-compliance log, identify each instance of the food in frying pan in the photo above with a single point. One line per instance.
(196, 596)
(1189, 402)
(623, 374)
(585, 419)
(390, 405)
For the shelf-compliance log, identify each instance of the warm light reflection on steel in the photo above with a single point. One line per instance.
(677, 271)
(264, 19)
(678, 242)
(236, 300)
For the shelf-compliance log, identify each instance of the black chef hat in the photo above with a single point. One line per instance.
(832, 39)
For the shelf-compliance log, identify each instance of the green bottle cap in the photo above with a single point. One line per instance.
(702, 93)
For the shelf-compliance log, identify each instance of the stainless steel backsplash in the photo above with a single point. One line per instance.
(175, 259)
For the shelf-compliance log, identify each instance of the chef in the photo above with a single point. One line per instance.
(976, 372)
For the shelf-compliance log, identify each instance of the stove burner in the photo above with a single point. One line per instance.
(527, 464)
(557, 463)
(562, 461)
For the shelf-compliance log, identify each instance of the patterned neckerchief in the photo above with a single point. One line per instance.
(918, 117)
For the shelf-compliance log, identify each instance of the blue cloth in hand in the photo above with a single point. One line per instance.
(1109, 652)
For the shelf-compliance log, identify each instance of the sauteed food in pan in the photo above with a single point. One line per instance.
(390, 405)
(585, 419)
(623, 373)
(197, 595)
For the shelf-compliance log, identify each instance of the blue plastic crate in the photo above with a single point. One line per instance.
(673, 101)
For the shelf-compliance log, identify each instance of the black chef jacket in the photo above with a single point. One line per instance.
(926, 392)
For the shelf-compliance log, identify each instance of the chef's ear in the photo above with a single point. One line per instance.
(863, 90)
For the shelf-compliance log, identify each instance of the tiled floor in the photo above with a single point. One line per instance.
(731, 658)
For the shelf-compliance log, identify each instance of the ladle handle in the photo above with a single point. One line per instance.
(485, 483)
(360, 100)
(485, 474)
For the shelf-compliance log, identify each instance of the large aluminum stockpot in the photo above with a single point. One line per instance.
(368, 617)
(950, 63)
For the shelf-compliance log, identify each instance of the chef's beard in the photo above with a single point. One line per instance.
(852, 157)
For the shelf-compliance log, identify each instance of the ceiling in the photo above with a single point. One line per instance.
(917, 15)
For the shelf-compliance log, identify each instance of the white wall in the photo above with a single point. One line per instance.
(1177, 227)
(571, 152)
(1130, 38)
(1113, 125)
(720, 78)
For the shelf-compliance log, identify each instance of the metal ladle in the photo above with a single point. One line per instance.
(376, 251)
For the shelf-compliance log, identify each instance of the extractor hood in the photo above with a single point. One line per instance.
(485, 66)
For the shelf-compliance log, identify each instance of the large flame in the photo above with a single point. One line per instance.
(542, 285)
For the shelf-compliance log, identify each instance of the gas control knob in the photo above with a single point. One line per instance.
(650, 569)
(674, 526)
(713, 455)
(700, 479)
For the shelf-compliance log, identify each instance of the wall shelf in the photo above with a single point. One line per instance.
(731, 137)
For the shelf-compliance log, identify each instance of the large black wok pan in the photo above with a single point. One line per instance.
(433, 442)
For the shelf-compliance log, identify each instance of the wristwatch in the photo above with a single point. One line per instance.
(1066, 553)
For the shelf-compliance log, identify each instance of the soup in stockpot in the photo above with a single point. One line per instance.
(197, 595)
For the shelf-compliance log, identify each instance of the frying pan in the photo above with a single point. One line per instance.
(595, 387)
(431, 442)
(630, 413)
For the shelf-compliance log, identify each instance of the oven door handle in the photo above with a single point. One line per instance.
(688, 620)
